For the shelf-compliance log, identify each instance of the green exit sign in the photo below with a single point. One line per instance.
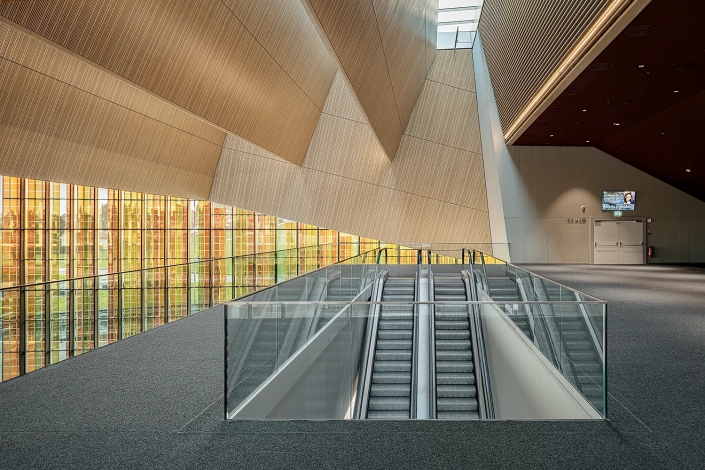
(618, 213)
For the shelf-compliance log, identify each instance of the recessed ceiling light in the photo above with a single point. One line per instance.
(585, 110)
(551, 135)
(675, 91)
(641, 66)
(615, 124)
(587, 141)
(687, 170)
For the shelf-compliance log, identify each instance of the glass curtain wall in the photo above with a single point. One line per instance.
(99, 265)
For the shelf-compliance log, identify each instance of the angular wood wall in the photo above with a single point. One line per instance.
(433, 191)
(255, 68)
(385, 48)
(64, 120)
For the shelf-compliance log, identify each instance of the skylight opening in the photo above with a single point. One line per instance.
(457, 23)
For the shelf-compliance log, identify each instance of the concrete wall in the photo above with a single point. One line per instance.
(542, 186)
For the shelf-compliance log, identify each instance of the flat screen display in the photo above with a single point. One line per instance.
(618, 200)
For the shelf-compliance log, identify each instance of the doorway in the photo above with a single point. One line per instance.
(618, 241)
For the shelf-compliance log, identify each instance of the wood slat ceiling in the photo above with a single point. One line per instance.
(61, 119)
(262, 75)
(385, 49)
(524, 43)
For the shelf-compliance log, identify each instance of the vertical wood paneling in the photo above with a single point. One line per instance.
(383, 50)
(524, 44)
(431, 191)
(199, 56)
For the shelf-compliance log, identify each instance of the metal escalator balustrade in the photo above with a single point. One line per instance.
(456, 392)
(390, 389)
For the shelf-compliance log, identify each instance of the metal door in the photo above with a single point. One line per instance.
(606, 247)
(631, 241)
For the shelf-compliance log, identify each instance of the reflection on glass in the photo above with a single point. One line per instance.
(101, 264)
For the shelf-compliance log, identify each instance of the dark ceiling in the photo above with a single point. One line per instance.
(643, 99)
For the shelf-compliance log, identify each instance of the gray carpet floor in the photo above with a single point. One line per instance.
(155, 401)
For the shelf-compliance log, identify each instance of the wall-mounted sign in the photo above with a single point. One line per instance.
(571, 220)
(618, 213)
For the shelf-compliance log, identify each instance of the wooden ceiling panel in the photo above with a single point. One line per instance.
(402, 26)
(199, 56)
(62, 119)
(382, 48)
(53, 131)
(525, 42)
(285, 30)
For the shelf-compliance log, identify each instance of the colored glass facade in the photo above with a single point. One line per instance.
(98, 265)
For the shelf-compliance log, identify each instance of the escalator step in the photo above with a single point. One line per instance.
(453, 355)
(397, 307)
(391, 366)
(455, 367)
(388, 344)
(395, 334)
(453, 345)
(389, 404)
(387, 414)
(449, 298)
(456, 391)
(579, 345)
(389, 390)
(391, 377)
(392, 355)
(452, 325)
(456, 404)
(396, 315)
(452, 308)
(395, 325)
(457, 415)
(454, 378)
(459, 317)
(452, 334)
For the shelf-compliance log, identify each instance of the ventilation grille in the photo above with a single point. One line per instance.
(601, 66)
(639, 30)
(683, 66)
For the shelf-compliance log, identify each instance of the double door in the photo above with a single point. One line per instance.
(618, 242)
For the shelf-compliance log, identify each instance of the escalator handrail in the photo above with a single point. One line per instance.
(544, 326)
(484, 390)
(415, 350)
(529, 314)
(432, 348)
(485, 279)
(323, 297)
(364, 382)
(379, 257)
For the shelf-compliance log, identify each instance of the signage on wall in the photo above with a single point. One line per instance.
(618, 213)
(571, 220)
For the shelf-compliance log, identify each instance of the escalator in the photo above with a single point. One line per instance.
(390, 388)
(455, 378)
(505, 289)
(580, 347)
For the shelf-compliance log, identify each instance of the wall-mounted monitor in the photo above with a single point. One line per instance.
(618, 200)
